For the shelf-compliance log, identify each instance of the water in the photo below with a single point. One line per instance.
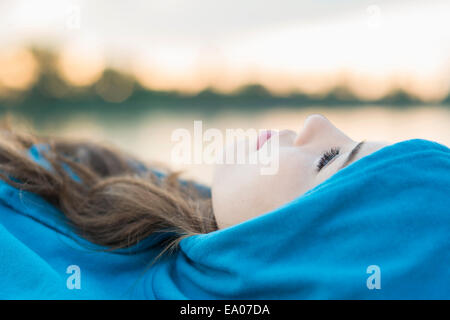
(149, 136)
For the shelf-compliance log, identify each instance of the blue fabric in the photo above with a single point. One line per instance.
(389, 209)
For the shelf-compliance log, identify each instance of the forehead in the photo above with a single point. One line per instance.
(369, 147)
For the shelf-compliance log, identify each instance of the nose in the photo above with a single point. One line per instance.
(315, 127)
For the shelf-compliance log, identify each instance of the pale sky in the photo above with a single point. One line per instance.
(246, 40)
(199, 21)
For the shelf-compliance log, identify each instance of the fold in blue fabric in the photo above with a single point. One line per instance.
(377, 229)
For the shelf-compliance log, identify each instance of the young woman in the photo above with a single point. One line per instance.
(304, 232)
(306, 159)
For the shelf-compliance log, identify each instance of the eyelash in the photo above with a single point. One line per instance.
(327, 157)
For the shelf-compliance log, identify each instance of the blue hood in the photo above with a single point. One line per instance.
(378, 229)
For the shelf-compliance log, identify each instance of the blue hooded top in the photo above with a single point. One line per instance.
(377, 229)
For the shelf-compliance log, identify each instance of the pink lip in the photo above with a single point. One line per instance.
(263, 137)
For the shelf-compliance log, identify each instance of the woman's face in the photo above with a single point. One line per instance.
(305, 159)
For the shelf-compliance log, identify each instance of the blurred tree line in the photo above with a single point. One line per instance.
(118, 94)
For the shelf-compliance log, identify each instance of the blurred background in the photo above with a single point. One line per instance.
(131, 72)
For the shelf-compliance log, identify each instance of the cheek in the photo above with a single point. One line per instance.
(295, 176)
(240, 192)
(233, 193)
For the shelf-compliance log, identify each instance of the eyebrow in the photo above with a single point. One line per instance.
(352, 154)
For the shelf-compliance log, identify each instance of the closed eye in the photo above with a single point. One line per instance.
(327, 157)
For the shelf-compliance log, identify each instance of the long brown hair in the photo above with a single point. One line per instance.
(114, 202)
